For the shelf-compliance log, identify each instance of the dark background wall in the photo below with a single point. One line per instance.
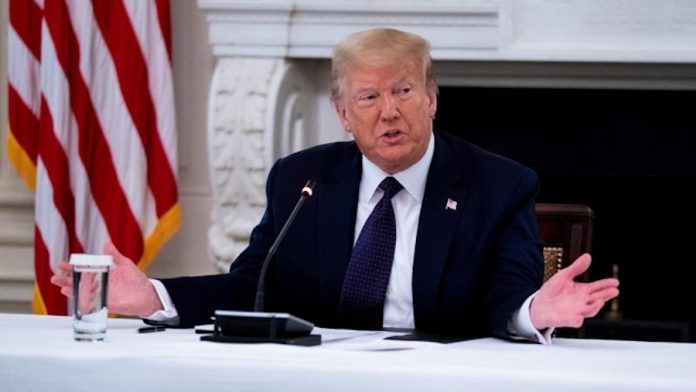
(628, 154)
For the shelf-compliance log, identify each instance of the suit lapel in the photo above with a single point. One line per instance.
(436, 228)
(338, 201)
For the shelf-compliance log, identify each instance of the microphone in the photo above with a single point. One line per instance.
(307, 192)
(259, 326)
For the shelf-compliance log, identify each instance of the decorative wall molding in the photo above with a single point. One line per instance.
(600, 30)
(310, 28)
(238, 152)
(257, 115)
(503, 30)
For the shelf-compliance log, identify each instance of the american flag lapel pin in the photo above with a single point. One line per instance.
(451, 205)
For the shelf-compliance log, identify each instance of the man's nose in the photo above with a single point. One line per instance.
(389, 108)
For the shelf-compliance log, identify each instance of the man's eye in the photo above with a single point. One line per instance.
(404, 91)
(367, 97)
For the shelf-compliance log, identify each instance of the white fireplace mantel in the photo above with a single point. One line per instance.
(543, 30)
(269, 92)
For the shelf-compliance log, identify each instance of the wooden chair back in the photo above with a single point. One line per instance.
(566, 231)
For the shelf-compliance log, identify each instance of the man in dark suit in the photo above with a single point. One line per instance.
(455, 248)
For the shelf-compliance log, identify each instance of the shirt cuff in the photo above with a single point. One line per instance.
(520, 325)
(168, 315)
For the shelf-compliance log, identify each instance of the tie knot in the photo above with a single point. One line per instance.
(391, 187)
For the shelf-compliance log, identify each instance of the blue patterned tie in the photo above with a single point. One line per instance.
(365, 284)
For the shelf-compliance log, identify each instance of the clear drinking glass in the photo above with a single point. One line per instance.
(90, 284)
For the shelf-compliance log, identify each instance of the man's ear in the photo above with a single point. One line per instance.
(341, 112)
(432, 104)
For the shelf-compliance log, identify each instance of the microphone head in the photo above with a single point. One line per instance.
(308, 189)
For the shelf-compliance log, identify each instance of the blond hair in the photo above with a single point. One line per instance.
(380, 47)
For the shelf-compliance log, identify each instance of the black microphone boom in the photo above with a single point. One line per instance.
(259, 326)
(307, 192)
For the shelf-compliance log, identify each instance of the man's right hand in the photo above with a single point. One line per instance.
(130, 291)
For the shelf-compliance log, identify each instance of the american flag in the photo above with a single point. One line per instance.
(451, 205)
(92, 132)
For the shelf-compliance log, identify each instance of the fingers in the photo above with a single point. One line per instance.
(577, 267)
(592, 309)
(597, 300)
(65, 267)
(62, 281)
(601, 289)
(604, 291)
(67, 291)
(603, 295)
(88, 291)
(65, 283)
(602, 284)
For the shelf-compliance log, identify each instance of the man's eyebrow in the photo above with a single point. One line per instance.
(405, 80)
(362, 90)
(369, 88)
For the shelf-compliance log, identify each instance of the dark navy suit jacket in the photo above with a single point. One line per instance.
(473, 265)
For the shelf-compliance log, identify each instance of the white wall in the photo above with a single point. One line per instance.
(186, 254)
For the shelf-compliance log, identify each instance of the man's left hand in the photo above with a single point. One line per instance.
(563, 302)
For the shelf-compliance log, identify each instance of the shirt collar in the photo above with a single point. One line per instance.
(413, 179)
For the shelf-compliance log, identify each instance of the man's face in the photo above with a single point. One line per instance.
(389, 111)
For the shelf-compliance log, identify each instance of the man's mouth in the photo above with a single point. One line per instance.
(392, 133)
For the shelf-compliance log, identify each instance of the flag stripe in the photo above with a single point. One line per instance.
(25, 19)
(126, 54)
(49, 221)
(24, 72)
(56, 162)
(20, 114)
(93, 148)
(164, 23)
(51, 299)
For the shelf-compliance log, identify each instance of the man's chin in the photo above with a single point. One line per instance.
(395, 160)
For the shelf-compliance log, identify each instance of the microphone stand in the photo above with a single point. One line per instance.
(263, 327)
(307, 192)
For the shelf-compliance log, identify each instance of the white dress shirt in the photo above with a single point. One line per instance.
(398, 307)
